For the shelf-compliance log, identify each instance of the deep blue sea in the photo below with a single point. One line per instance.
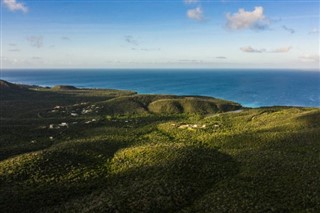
(251, 88)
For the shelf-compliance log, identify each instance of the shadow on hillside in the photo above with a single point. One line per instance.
(282, 170)
(312, 120)
(20, 138)
(18, 103)
(170, 186)
(65, 171)
(20, 120)
(166, 186)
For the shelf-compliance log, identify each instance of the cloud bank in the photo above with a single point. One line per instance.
(12, 5)
(247, 20)
(195, 14)
(249, 49)
(281, 50)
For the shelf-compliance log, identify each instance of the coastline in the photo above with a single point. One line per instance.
(71, 87)
(251, 89)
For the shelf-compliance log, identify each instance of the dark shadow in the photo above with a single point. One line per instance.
(48, 180)
(20, 116)
(171, 186)
(311, 120)
(21, 103)
(166, 186)
(282, 171)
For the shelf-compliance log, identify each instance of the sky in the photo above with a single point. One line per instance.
(160, 34)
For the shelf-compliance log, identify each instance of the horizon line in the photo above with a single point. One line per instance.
(146, 68)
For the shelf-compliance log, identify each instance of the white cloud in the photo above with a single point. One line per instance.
(191, 1)
(281, 50)
(249, 49)
(195, 14)
(247, 19)
(15, 6)
(310, 58)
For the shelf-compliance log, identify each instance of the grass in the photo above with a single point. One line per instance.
(131, 154)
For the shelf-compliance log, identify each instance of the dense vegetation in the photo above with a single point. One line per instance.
(67, 149)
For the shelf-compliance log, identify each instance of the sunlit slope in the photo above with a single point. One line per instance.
(165, 104)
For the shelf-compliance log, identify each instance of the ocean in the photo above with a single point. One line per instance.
(251, 88)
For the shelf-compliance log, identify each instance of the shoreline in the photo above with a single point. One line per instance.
(50, 87)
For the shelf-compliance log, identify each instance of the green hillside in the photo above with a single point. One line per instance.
(64, 87)
(86, 150)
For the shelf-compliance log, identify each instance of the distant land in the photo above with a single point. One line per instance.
(70, 149)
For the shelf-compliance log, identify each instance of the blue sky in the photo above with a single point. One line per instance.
(160, 34)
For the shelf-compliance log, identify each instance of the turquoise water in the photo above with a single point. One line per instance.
(250, 88)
